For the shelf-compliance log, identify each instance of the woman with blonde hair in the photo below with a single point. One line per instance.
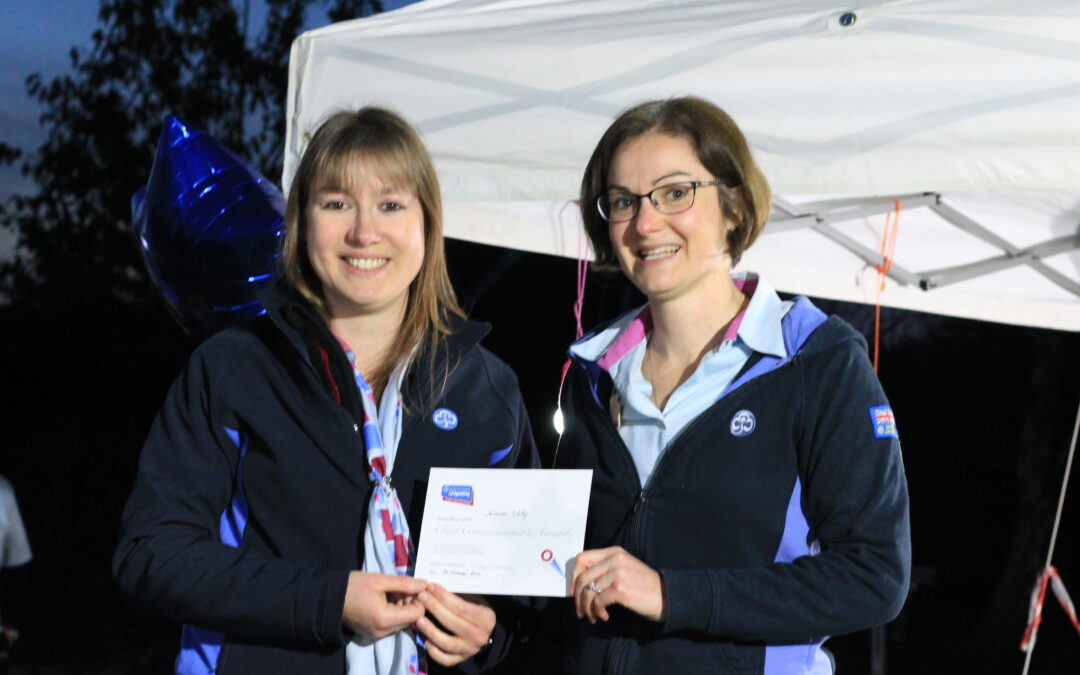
(281, 489)
(748, 492)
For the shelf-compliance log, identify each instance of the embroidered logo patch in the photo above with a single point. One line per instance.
(884, 422)
(445, 419)
(743, 423)
(459, 494)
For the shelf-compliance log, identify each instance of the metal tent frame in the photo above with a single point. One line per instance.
(822, 215)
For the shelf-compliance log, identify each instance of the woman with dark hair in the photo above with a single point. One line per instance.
(748, 492)
(282, 486)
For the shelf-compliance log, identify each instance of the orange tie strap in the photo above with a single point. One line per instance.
(888, 247)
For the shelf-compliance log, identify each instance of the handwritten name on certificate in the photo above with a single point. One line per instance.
(503, 531)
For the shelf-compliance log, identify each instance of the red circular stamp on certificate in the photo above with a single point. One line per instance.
(547, 555)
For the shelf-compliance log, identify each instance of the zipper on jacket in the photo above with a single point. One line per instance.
(635, 523)
(617, 657)
(623, 644)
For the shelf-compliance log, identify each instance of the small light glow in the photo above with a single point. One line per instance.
(558, 421)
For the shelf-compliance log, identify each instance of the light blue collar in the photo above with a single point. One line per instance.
(759, 329)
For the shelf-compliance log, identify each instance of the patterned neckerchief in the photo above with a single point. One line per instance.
(390, 548)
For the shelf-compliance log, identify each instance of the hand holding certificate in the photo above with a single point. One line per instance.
(503, 531)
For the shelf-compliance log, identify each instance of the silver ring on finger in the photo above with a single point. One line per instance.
(595, 587)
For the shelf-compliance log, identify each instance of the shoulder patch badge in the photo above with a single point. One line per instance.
(881, 416)
(743, 423)
(445, 419)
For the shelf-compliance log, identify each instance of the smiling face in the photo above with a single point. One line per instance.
(676, 255)
(365, 241)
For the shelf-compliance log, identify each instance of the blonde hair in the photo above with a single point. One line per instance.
(720, 147)
(390, 145)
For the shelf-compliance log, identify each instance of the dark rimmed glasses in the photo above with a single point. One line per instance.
(616, 206)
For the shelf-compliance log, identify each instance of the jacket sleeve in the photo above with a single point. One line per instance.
(502, 386)
(854, 496)
(170, 558)
(528, 457)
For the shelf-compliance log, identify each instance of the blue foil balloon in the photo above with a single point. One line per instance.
(210, 228)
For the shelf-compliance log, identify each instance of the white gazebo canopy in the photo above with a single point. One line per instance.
(966, 111)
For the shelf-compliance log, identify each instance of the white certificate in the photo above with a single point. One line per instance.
(503, 531)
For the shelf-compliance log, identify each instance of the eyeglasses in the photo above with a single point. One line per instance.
(617, 206)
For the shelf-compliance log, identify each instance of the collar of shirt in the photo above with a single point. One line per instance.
(758, 327)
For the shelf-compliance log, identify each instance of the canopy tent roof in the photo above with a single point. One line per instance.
(967, 111)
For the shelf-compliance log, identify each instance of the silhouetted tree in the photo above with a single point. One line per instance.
(201, 59)
(8, 153)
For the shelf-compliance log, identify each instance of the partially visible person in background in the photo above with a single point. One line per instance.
(14, 555)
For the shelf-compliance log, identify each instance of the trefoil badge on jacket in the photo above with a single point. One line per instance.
(743, 423)
(459, 494)
(884, 422)
(445, 419)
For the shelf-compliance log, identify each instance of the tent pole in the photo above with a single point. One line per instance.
(1031, 256)
(1057, 517)
(1064, 487)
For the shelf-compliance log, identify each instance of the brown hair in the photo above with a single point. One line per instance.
(393, 147)
(720, 147)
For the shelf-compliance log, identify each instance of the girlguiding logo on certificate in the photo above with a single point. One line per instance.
(459, 494)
